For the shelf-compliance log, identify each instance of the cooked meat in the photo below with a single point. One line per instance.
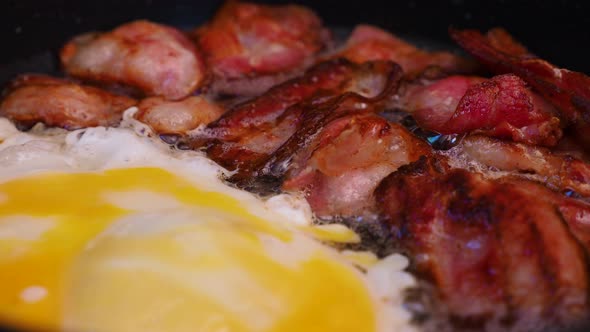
(270, 168)
(500, 107)
(177, 117)
(497, 250)
(156, 59)
(61, 103)
(255, 129)
(432, 104)
(567, 90)
(352, 155)
(328, 78)
(562, 173)
(577, 216)
(569, 145)
(246, 40)
(369, 43)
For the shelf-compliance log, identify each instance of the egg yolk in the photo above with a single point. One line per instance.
(144, 249)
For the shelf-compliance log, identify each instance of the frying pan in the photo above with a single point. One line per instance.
(31, 32)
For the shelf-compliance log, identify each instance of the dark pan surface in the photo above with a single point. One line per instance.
(32, 32)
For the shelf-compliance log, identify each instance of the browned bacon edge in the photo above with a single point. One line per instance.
(266, 175)
(569, 91)
(507, 251)
(319, 80)
(560, 172)
(228, 140)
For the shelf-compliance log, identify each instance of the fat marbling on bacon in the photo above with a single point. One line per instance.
(369, 43)
(339, 171)
(502, 106)
(251, 47)
(62, 103)
(251, 131)
(502, 251)
(498, 223)
(558, 170)
(316, 132)
(177, 117)
(156, 59)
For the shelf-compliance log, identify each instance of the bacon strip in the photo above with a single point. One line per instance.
(177, 117)
(255, 129)
(246, 40)
(61, 103)
(369, 43)
(324, 79)
(504, 107)
(353, 154)
(569, 91)
(494, 249)
(559, 172)
(156, 59)
(433, 104)
(500, 107)
(270, 167)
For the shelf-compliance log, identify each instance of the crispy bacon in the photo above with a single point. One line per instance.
(267, 171)
(177, 117)
(156, 59)
(496, 250)
(327, 78)
(500, 107)
(246, 40)
(255, 129)
(351, 156)
(369, 43)
(504, 107)
(562, 173)
(61, 103)
(569, 91)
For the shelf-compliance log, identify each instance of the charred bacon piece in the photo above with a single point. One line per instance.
(369, 43)
(497, 251)
(177, 117)
(502, 106)
(569, 91)
(251, 47)
(61, 103)
(560, 172)
(253, 130)
(156, 59)
(350, 156)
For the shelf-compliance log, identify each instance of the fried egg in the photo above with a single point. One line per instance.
(108, 229)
